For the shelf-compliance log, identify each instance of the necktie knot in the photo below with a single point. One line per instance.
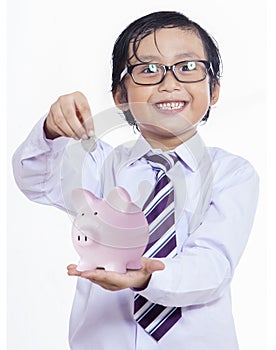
(163, 161)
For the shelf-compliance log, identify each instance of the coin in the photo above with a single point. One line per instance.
(89, 145)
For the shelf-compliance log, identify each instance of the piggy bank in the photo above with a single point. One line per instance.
(109, 233)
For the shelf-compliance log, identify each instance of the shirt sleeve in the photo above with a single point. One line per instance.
(203, 270)
(35, 166)
(47, 171)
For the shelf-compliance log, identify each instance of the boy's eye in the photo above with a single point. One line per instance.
(187, 66)
(150, 68)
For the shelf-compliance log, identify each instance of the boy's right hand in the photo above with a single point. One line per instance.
(69, 116)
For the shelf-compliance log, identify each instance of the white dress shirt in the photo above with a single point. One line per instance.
(216, 197)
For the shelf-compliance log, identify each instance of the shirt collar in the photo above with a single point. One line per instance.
(190, 152)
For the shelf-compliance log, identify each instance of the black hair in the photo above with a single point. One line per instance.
(147, 25)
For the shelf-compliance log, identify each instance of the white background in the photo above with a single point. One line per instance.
(57, 47)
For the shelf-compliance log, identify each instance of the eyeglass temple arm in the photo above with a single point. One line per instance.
(124, 72)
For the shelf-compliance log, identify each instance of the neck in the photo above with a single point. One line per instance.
(167, 143)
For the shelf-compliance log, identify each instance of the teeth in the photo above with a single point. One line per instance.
(169, 106)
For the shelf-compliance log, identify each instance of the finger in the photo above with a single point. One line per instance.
(71, 266)
(70, 114)
(100, 275)
(51, 125)
(84, 112)
(60, 123)
(50, 128)
(72, 270)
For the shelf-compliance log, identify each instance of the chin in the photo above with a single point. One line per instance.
(181, 132)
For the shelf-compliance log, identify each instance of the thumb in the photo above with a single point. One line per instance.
(151, 265)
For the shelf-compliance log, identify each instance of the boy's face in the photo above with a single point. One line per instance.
(167, 114)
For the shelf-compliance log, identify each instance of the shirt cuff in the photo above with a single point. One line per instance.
(38, 143)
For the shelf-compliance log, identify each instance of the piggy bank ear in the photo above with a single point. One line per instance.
(120, 200)
(82, 198)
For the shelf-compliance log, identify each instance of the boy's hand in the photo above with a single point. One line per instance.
(114, 281)
(69, 116)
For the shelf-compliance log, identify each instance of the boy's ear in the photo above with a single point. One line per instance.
(120, 98)
(215, 93)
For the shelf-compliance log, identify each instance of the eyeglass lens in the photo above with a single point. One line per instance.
(153, 73)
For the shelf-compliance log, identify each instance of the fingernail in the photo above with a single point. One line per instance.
(84, 137)
(91, 133)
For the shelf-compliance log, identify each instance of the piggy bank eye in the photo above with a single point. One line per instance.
(82, 214)
(95, 213)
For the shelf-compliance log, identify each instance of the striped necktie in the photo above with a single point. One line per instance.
(159, 210)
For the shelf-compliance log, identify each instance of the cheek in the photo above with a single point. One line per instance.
(139, 101)
(200, 102)
(201, 98)
(139, 94)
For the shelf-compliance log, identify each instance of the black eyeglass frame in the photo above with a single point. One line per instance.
(129, 69)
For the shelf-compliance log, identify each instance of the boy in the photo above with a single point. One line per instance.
(166, 72)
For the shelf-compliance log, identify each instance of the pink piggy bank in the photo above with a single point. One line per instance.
(109, 233)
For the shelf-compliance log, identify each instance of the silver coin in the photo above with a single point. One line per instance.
(89, 145)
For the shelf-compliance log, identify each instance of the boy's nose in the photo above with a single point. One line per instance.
(170, 83)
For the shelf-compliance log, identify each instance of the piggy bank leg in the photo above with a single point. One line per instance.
(82, 266)
(116, 267)
(134, 265)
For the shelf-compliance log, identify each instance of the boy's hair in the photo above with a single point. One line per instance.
(147, 25)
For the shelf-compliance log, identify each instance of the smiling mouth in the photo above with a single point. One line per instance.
(170, 106)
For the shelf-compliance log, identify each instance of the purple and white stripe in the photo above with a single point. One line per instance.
(159, 210)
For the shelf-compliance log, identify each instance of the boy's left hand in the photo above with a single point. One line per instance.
(114, 281)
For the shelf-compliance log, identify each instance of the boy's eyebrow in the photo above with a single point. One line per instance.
(151, 58)
(187, 55)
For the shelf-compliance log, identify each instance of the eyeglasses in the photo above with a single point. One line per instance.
(154, 73)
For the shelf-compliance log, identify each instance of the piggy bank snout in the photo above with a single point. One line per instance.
(81, 239)
(82, 231)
